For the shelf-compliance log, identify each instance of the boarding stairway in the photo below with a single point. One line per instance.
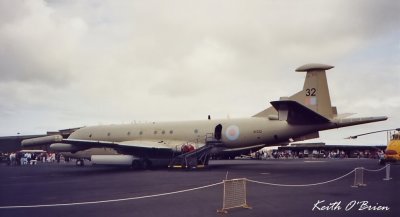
(197, 158)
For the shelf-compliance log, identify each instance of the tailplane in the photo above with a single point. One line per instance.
(295, 113)
(315, 94)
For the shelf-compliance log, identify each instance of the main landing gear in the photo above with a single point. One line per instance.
(144, 164)
(80, 162)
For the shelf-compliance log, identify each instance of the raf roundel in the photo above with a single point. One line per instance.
(232, 132)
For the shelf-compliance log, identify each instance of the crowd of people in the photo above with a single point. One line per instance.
(29, 158)
(32, 158)
(289, 154)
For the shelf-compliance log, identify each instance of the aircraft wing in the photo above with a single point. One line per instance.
(134, 147)
(136, 144)
(13, 143)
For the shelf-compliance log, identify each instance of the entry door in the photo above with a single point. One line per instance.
(218, 132)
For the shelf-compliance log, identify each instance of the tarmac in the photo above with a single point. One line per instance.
(61, 190)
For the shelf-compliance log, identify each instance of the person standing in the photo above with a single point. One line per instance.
(12, 159)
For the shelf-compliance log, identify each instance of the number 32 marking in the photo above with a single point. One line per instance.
(311, 92)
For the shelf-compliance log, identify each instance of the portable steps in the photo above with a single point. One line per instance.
(192, 160)
(199, 157)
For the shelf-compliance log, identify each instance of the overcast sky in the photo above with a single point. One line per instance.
(67, 64)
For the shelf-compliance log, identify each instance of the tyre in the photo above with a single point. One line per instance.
(146, 164)
(79, 163)
(136, 164)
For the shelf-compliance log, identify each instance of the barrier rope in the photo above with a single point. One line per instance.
(377, 170)
(303, 185)
(110, 201)
(314, 184)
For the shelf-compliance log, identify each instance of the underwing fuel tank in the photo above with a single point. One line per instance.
(113, 159)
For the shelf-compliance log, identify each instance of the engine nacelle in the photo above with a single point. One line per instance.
(44, 140)
(113, 159)
(64, 147)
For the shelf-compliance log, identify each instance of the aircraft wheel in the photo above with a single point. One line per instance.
(136, 164)
(146, 164)
(79, 163)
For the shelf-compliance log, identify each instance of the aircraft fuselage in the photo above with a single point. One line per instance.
(234, 133)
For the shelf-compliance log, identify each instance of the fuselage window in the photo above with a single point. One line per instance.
(155, 131)
(108, 134)
(90, 135)
(196, 131)
(129, 133)
(171, 132)
(163, 132)
(141, 133)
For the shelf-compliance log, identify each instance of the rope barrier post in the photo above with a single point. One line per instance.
(359, 177)
(387, 178)
(235, 195)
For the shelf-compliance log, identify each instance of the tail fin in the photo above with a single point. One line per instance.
(315, 93)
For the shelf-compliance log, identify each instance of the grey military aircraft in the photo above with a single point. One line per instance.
(189, 144)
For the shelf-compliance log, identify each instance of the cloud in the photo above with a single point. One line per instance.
(36, 44)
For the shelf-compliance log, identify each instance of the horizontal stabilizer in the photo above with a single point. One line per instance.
(295, 113)
(356, 121)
